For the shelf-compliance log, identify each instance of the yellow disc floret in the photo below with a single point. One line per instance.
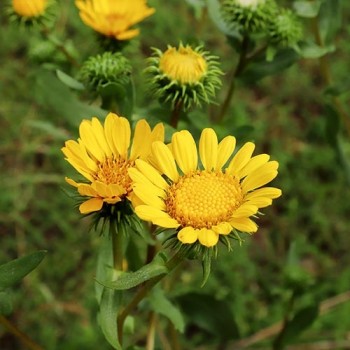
(183, 64)
(204, 199)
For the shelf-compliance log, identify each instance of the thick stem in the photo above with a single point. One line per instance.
(143, 291)
(151, 331)
(175, 115)
(237, 71)
(29, 343)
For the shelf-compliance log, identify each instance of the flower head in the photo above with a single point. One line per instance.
(249, 16)
(29, 8)
(102, 155)
(114, 18)
(204, 199)
(184, 74)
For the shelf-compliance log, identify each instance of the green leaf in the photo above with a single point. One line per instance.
(129, 280)
(210, 314)
(48, 128)
(339, 88)
(13, 271)
(311, 50)
(302, 320)
(5, 302)
(214, 7)
(261, 68)
(330, 20)
(109, 306)
(306, 8)
(69, 81)
(162, 305)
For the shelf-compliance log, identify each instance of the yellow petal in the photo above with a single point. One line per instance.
(187, 235)
(110, 130)
(150, 195)
(208, 148)
(253, 164)
(224, 228)
(100, 136)
(157, 133)
(71, 182)
(241, 158)
(269, 192)
(78, 152)
(151, 174)
(89, 141)
(245, 210)
(260, 176)
(121, 136)
(184, 150)
(91, 205)
(260, 202)
(156, 216)
(207, 237)
(142, 140)
(129, 34)
(87, 190)
(244, 225)
(225, 150)
(164, 160)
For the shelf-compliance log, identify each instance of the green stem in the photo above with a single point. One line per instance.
(142, 293)
(29, 343)
(175, 115)
(236, 72)
(117, 246)
(151, 331)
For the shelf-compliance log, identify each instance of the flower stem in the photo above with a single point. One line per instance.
(117, 246)
(29, 343)
(151, 331)
(175, 115)
(143, 291)
(237, 71)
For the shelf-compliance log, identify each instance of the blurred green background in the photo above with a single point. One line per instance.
(300, 250)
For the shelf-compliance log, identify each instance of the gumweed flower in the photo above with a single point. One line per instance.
(286, 29)
(29, 8)
(183, 75)
(249, 16)
(103, 155)
(99, 71)
(203, 198)
(114, 18)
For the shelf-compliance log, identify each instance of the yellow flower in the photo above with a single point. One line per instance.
(29, 8)
(203, 202)
(103, 156)
(114, 18)
(183, 64)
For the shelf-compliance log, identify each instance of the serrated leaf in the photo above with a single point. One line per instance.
(162, 305)
(307, 9)
(13, 271)
(210, 314)
(69, 81)
(302, 320)
(129, 280)
(214, 7)
(109, 306)
(5, 302)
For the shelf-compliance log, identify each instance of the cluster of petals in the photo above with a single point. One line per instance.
(29, 8)
(103, 155)
(170, 167)
(114, 18)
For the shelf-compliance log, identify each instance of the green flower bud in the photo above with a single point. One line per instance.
(101, 70)
(250, 16)
(286, 29)
(183, 75)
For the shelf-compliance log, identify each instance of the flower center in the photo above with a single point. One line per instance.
(203, 199)
(115, 171)
(184, 64)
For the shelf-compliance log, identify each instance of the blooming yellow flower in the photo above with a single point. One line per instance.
(114, 18)
(207, 198)
(103, 156)
(29, 8)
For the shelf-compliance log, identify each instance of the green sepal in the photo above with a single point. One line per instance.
(13, 271)
(128, 280)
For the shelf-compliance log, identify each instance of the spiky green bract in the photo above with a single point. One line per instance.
(98, 71)
(174, 92)
(249, 16)
(286, 30)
